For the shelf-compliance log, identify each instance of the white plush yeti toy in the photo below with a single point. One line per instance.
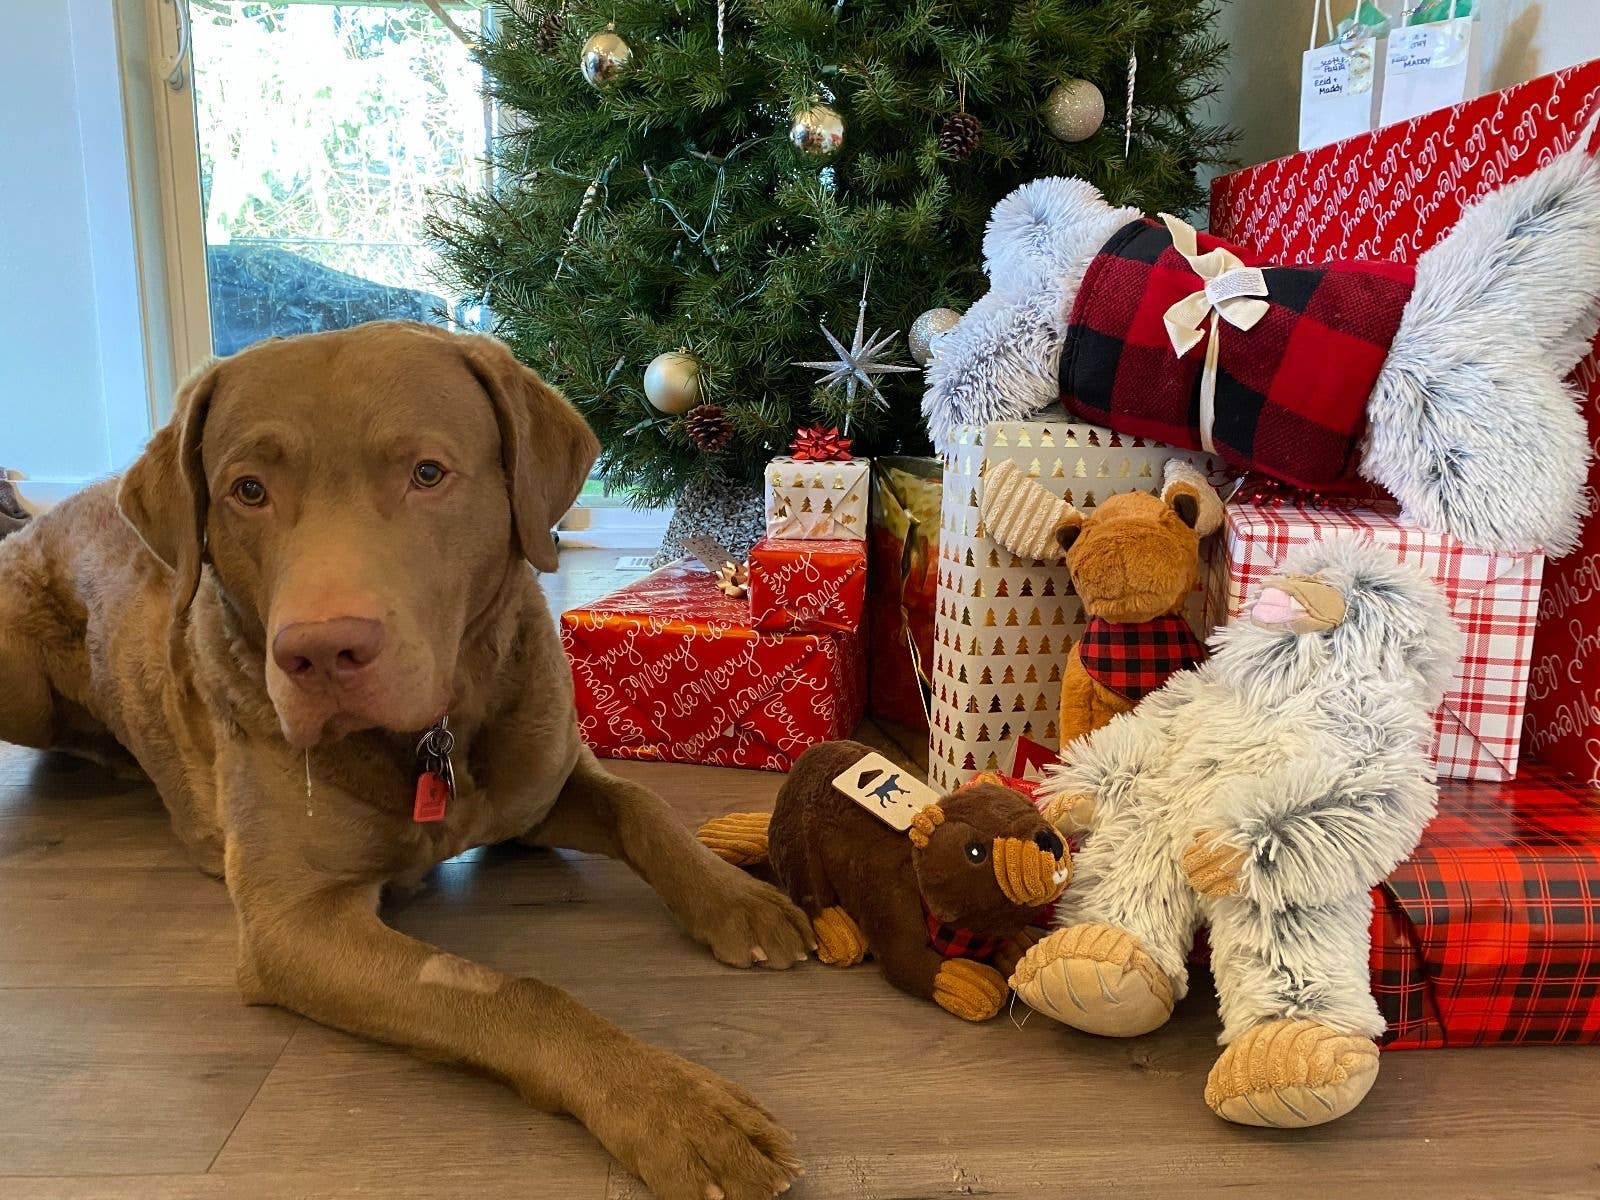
(1262, 794)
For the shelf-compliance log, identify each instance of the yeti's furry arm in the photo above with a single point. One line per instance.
(1314, 833)
(1109, 764)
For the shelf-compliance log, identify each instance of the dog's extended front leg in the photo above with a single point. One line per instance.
(742, 919)
(686, 1133)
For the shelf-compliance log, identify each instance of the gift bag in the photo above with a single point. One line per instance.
(904, 550)
(1431, 64)
(1339, 81)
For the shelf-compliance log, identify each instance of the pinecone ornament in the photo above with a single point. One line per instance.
(709, 428)
(551, 24)
(960, 136)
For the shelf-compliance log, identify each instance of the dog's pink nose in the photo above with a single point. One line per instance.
(333, 651)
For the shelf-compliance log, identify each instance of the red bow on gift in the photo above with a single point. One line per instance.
(817, 444)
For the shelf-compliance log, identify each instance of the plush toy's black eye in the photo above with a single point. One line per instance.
(977, 852)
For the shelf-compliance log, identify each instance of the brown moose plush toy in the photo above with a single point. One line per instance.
(936, 904)
(1134, 561)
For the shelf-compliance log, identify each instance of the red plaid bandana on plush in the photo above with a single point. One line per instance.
(1292, 392)
(957, 943)
(1134, 660)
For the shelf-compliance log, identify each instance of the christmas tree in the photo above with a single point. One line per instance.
(718, 181)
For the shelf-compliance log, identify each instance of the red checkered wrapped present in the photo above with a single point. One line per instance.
(1490, 931)
(1492, 596)
(808, 586)
(1394, 194)
(670, 668)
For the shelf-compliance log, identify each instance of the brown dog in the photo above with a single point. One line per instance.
(323, 553)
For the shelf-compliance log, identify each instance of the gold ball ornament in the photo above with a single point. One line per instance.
(817, 132)
(606, 58)
(1074, 109)
(672, 382)
(926, 330)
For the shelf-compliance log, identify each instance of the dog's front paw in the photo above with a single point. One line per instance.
(691, 1135)
(746, 921)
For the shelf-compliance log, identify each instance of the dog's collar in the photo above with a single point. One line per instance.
(436, 777)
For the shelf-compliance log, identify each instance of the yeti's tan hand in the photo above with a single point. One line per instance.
(1212, 868)
(1069, 814)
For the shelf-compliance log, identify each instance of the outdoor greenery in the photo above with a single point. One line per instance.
(709, 231)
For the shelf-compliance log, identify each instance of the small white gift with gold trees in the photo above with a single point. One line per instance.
(817, 500)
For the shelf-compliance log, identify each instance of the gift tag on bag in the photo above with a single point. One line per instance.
(1338, 82)
(1431, 66)
(892, 794)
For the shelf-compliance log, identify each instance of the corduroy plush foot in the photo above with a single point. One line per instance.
(840, 942)
(970, 990)
(1290, 1074)
(738, 838)
(1097, 979)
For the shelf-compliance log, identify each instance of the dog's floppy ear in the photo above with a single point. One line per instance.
(164, 495)
(546, 447)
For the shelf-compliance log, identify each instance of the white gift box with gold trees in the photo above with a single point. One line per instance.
(1004, 625)
(816, 501)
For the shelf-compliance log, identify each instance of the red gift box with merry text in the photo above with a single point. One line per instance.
(669, 668)
(1490, 931)
(808, 586)
(1392, 194)
(1492, 597)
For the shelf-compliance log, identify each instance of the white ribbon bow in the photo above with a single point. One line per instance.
(1229, 294)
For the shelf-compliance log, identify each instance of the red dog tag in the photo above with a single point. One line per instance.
(433, 793)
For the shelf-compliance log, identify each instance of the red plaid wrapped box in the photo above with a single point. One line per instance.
(808, 586)
(1493, 597)
(670, 668)
(1490, 931)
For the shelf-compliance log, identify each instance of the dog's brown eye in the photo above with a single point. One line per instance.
(976, 851)
(250, 492)
(427, 474)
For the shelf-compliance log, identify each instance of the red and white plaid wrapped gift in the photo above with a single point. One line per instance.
(808, 586)
(1493, 597)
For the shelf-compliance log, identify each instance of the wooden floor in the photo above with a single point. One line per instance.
(128, 1067)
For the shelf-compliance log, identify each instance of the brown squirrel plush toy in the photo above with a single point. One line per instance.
(935, 905)
(1134, 561)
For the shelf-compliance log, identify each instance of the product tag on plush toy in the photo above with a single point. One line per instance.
(890, 793)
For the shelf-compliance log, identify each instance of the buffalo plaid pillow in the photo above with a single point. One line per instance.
(1135, 660)
(1292, 392)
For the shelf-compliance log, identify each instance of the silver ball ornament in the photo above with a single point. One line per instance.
(817, 131)
(672, 382)
(1074, 109)
(925, 332)
(606, 58)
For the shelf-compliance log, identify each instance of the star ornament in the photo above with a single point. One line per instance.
(857, 365)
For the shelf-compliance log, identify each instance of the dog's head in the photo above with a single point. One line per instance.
(361, 497)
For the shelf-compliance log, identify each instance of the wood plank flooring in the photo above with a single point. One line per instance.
(128, 1067)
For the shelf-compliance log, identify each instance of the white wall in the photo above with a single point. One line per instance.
(1261, 97)
(73, 402)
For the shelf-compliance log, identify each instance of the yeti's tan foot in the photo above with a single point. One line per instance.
(1097, 979)
(840, 942)
(1291, 1073)
(738, 838)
